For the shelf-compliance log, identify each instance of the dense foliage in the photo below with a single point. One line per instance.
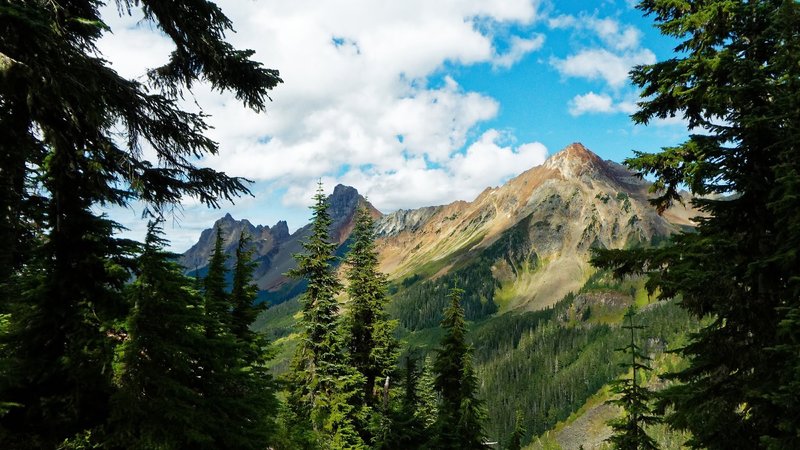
(548, 363)
(736, 77)
(460, 417)
(420, 304)
(370, 339)
(183, 378)
(73, 132)
(326, 391)
(633, 397)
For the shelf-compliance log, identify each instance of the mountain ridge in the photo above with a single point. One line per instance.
(274, 246)
(572, 202)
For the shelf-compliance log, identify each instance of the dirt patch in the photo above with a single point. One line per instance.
(589, 430)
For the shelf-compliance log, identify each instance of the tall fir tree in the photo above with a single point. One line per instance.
(369, 334)
(459, 422)
(408, 426)
(628, 432)
(735, 76)
(325, 390)
(72, 132)
(370, 339)
(217, 301)
(244, 309)
(158, 403)
(518, 434)
(238, 388)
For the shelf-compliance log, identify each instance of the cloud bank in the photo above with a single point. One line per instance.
(365, 99)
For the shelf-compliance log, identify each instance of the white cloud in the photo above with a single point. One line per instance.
(610, 32)
(562, 21)
(591, 103)
(613, 34)
(519, 48)
(486, 162)
(359, 102)
(616, 49)
(602, 64)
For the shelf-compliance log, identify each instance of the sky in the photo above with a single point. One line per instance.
(413, 103)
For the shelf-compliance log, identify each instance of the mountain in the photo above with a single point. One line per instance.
(543, 323)
(559, 210)
(274, 246)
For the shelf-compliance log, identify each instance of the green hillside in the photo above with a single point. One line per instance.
(546, 363)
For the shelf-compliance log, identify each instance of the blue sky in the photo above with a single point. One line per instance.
(414, 103)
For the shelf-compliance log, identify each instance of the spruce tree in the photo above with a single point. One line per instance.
(239, 390)
(244, 309)
(370, 340)
(325, 391)
(459, 422)
(515, 441)
(736, 77)
(73, 131)
(629, 432)
(407, 422)
(158, 403)
(216, 299)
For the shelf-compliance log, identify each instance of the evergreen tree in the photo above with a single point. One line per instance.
(72, 135)
(515, 441)
(735, 76)
(428, 408)
(408, 425)
(239, 390)
(243, 292)
(216, 298)
(634, 399)
(459, 422)
(373, 349)
(369, 334)
(158, 403)
(325, 390)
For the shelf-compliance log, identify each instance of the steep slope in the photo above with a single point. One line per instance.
(274, 246)
(571, 203)
(543, 323)
(265, 240)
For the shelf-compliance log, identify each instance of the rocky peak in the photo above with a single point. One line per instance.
(343, 202)
(574, 161)
(405, 220)
(280, 231)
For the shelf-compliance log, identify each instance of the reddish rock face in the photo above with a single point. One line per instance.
(571, 203)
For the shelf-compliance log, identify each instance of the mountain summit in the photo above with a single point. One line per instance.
(553, 214)
(560, 210)
(274, 246)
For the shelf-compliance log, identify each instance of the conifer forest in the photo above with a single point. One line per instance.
(570, 307)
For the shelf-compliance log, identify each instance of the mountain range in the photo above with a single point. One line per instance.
(563, 208)
(544, 324)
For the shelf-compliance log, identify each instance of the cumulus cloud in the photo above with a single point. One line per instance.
(616, 50)
(489, 161)
(611, 49)
(591, 103)
(613, 34)
(602, 64)
(364, 101)
(518, 49)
